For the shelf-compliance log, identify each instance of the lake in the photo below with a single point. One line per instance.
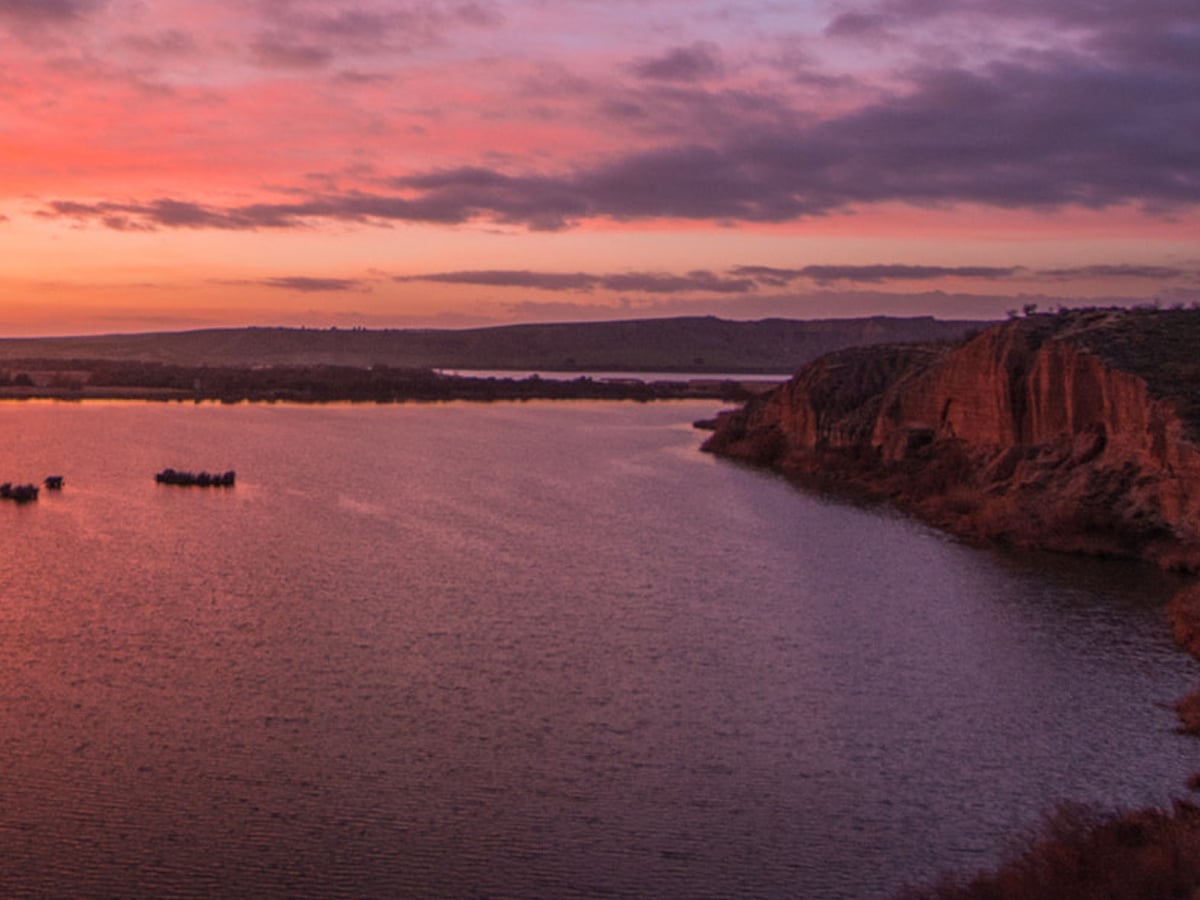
(530, 650)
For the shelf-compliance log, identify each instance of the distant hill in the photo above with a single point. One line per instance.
(698, 344)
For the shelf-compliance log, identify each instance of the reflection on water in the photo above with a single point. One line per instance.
(537, 650)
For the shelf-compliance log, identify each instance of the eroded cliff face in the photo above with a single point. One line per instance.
(1025, 434)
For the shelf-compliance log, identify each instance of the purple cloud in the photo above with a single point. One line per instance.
(636, 282)
(1154, 33)
(738, 280)
(542, 281)
(667, 111)
(308, 34)
(1122, 15)
(657, 283)
(309, 285)
(1149, 273)
(168, 213)
(856, 25)
(877, 274)
(275, 52)
(870, 274)
(457, 195)
(171, 43)
(47, 11)
(1068, 131)
(358, 24)
(768, 275)
(481, 15)
(697, 62)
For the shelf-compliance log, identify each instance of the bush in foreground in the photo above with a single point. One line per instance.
(1082, 854)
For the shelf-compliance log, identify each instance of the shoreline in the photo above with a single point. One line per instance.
(1075, 433)
(444, 389)
(1081, 851)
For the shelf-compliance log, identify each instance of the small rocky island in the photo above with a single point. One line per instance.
(27, 493)
(1077, 431)
(18, 493)
(196, 479)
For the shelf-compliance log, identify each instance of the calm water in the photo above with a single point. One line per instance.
(529, 651)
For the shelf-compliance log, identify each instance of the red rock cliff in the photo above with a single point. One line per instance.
(1070, 432)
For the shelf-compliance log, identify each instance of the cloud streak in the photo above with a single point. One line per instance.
(874, 274)
(305, 34)
(634, 282)
(1108, 272)
(748, 279)
(47, 11)
(698, 62)
(309, 285)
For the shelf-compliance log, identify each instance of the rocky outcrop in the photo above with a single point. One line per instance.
(1072, 432)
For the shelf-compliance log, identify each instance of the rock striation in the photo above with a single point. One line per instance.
(1074, 431)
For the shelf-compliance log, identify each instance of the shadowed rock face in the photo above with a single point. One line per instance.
(1071, 432)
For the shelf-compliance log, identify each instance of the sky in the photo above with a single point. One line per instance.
(172, 164)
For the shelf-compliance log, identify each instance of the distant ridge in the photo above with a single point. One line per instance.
(693, 344)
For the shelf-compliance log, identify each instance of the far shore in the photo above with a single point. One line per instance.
(336, 384)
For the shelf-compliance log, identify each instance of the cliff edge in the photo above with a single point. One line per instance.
(1075, 432)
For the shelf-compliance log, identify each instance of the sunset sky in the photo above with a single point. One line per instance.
(172, 164)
